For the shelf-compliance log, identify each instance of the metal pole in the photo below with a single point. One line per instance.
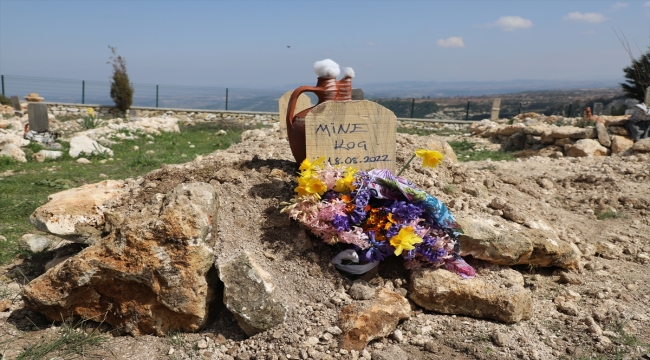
(226, 98)
(568, 113)
(519, 109)
(3, 84)
(412, 106)
(83, 91)
(156, 95)
(467, 111)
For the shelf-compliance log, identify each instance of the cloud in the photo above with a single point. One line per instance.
(454, 41)
(647, 4)
(592, 18)
(509, 23)
(620, 5)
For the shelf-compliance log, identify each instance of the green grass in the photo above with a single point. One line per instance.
(71, 341)
(611, 214)
(32, 182)
(467, 151)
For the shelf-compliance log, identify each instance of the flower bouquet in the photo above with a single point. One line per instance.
(375, 214)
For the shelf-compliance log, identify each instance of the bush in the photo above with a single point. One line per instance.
(121, 87)
(5, 100)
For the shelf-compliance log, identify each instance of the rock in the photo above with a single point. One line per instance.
(6, 139)
(83, 161)
(56, 261)
(397, 336)
(43, 155)
(621, 143)
(392, 352)
(508, 130)
(40, 242)
(570, 278)
(14, 152)
(567, 307)
(500, 339)
(445, 292)
(438, 143)
(608, 250)
(5, 304)
(361, 291)
(249, 293)
(545, 183)
(361, 322)
(587, 147)
(573, 132)
(81, 144)
(503, 246)
(537, 130)
(642, 145)
(169, 287)
(77, 214)
(603, 135)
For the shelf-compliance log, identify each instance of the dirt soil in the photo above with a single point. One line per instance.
(610, 291)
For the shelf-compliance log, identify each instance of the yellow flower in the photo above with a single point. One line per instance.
(312, 185)
(91, 112)
(430, 158)
(405, 240)
(345, 183)
(307, 167)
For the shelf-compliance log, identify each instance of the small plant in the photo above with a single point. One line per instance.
(5, 100)
(583, 123)
(611, 214)
(90, 120)
(71, 340)
(449, 189)
(121, 87)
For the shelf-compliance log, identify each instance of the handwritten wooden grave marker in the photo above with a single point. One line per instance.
(302, 103)
(357, 133)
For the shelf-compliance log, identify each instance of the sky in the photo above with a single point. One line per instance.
(269, 43)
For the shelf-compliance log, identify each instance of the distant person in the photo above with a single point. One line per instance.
(639, 122)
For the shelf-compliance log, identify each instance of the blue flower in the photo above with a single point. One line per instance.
(341, 222)
(378, 250)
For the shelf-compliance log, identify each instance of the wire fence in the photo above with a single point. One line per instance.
(146, 95)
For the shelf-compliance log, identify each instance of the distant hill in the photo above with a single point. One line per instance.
(418, 89)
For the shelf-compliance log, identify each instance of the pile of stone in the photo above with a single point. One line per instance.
(209, 233)
(555, 136)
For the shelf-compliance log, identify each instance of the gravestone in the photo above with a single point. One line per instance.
(303, 103)
(647, 96)
(15, 102)
(38, 120)
(357, 94)
(356, 133)
(598, 108)
(496, 107)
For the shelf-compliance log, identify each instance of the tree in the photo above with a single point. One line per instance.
(121, 87)
(637, 77)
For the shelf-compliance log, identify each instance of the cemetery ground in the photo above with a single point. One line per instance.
(599, 310)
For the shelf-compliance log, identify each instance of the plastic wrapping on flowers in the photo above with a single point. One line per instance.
(375, 214)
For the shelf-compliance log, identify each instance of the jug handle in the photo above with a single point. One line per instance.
(294, 99)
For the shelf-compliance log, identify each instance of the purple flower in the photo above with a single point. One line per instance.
(404, 211)
(427, 248)
(378, 250)
(341, 222)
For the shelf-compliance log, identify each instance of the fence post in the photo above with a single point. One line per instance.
(568, 113)
(156, 95)
(83, 91)
(3, 84)
(226, 98)
(412, 106)
(519, 109)
(467, 111)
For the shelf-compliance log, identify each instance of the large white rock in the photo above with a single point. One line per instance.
(47, 154)
(84, 145)
(77, 214)
(9, 138)
(621, 143)
(14, 152)
(587, 147)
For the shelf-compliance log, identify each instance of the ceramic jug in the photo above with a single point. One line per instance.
(326, 89)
